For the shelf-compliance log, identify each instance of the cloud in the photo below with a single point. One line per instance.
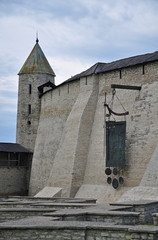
(8, 103)
(117, 25)
(73, 34)
(66, 67)
(8, 84)
(89, 30)
(8, 126)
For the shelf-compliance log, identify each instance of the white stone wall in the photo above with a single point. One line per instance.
(142, 131)
(150, 178)
(56, 106)
(70, 161)
(70, 147)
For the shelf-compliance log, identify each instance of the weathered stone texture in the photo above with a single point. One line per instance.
(13, 181)
(98, 222)
(40, 234)
(70, 160)
(74, 234)
(70, 144)
(26, 133)
(150, 178)
(55, 109)
(141, 130)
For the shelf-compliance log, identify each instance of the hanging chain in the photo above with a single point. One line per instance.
(122, 106)
(111, 104)
(110, 107)
(112, 100)
(120, 103)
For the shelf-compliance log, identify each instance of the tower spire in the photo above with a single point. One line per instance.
(36, 62)
(37, 37)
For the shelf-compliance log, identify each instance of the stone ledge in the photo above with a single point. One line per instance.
(93, 226)
(49, 192)
(53, 223)
(27, 210)
(143, 229)
(106, 213)
(54, 199)
(134, 203)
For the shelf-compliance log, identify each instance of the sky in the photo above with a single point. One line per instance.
(74, 35)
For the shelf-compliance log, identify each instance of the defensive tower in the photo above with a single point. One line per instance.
(35, 72)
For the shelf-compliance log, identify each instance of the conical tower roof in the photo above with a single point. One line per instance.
(36, 62)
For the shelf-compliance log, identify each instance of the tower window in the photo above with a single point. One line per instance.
(29, 122)
(86, 80)
(143, 69)
(30, 89)
(120, 74)
(29, 108)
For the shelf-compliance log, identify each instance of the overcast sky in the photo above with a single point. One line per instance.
(73, 34)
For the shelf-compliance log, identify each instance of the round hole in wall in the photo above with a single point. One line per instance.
(115, 171)
(109, 180)
(121, 180)
(107, 171)
(29, 122)
(115, 183)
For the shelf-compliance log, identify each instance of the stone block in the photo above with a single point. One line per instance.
(49, 192)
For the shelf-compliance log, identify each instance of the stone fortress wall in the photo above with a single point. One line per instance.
(55, 108)
(14, 181)
(141, 138)
(70, 146)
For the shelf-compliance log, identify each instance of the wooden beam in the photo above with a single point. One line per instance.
(126, 87)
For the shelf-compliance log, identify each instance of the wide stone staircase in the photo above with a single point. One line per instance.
(24, 218)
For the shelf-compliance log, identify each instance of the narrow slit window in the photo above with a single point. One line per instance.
(30, 89)
(68, 88)
(86, 80)
(120, 74)
(29, 108)
(143, 69)
(29, 122)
